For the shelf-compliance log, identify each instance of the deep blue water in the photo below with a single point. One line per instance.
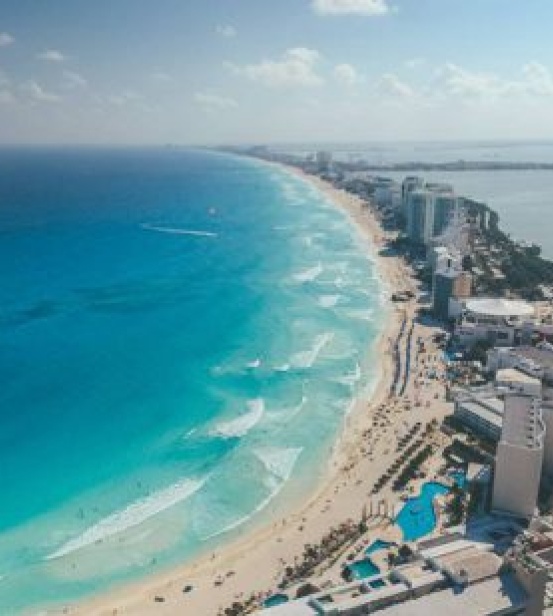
(181, 336)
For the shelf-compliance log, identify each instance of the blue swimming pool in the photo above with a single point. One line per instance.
(274, 600)
(364, 568)
(416, 518)
(459, 478)
(377, 545)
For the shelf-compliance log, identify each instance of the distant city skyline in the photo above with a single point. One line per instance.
(241, 71)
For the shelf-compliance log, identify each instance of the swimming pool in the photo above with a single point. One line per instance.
(417, 518)
(364, 568)
(274, 600)
(377, 545)
(459, 478)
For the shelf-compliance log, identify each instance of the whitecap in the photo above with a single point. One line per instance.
(360, 315)
(350, 379)
(287, 414)
(240, 426)
(310, 274)
(306, 359)
(177, 230)
(133, 515)
(328, 301)
(279, 461)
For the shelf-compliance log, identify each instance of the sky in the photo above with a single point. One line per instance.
(274, 71)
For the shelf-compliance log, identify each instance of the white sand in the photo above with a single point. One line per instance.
(362, 454)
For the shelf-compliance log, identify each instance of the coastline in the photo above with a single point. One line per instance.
(260, 553)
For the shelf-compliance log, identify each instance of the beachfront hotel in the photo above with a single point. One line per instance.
(481, 572)
(519, 457)
(429, 212)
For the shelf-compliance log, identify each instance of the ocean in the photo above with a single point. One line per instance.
(182, 334)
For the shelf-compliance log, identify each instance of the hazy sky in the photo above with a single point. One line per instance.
(205, 71)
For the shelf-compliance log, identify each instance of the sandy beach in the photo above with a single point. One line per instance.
(365, 450)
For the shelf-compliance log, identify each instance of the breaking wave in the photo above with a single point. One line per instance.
(306, 359)
(236, 428)
(133, 515)
(310, 274)
(279, 463)
(328, 301)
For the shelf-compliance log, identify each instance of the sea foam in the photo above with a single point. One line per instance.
(279, 463)
(306, 359)
(310, 274)
(328, 301)
(240, 426)
(133, 515)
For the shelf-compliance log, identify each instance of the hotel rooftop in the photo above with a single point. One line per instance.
(454, 575)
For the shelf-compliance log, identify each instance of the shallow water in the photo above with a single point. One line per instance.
(181, 336)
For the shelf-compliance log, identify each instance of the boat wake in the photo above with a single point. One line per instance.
(133, 515)
(177, 230)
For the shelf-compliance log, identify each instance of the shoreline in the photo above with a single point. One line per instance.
(254, 551)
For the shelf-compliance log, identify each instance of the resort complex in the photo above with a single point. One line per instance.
(458, 521)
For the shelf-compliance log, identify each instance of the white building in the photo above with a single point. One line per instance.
(515, 381)
(482, 412)
(534, 361)
(519, 457)
(429, 213)
(439, 257)
(497, 321)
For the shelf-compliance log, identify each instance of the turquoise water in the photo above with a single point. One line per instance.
(363, 568)
(274, 600)
(417, 518)
(378, 545)
(181, 337)
(460, 478)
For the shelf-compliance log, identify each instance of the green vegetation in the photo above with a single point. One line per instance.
(521, 267)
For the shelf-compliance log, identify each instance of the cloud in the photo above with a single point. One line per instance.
(392, 85)
(38, 94)
(295, 68)
(460, 82)
(51, 55)
(74, 80)
(538, 79)
(346, 74)
(368, 8)
(226, 31)
(212, 102)
(6, 39)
